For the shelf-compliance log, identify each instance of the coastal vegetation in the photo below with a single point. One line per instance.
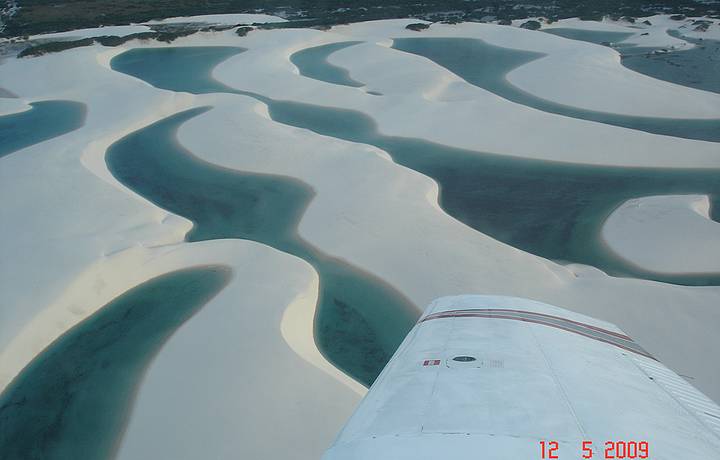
(417, 26)
(43, 16)
(165, 36)
(531, 25)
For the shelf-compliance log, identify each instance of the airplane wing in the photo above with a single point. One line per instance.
(503, 378)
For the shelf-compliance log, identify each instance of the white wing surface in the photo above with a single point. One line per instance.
(490, 378)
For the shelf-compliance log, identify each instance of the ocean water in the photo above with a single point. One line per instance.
(72, 401)
(313, 63)
(45, 120)
(486, 66)
(360, 319)
(551, 209)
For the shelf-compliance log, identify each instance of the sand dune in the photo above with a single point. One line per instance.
(672, 234)
(245, 374)
(403, 111)
(369, 226)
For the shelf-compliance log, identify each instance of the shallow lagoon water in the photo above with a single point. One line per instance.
(175, 68)
(72, 401)
(313, 63)
(486, 66)
(599, 37)
(45, 120)
(551, 209)
(697, 67)
(360, 319)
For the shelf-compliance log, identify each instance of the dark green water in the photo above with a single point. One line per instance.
(486, 66)
(599, 37)
(313, 63)
(360, 319)
(554, 210)
(72, 401)
(45, 120)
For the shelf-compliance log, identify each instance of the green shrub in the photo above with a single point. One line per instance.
(417, 26)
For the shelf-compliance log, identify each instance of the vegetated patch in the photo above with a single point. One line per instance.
(188, 28)
(417, 26)
(505, 22)
(166, 33)
(319, 24)
(702, 25)
(243, 31)
(46, 16)
(592, 16)
(114, 40)
(218, 27)
(678, 17)
(530, 25)
(55, 47)
(169, 37)
(105, 40)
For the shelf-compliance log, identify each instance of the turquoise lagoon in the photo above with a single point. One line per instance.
(73, 400)
(44, 120)
(360, 319)
(551, 209)
(697, 67)
(486, 66)
(313, 63)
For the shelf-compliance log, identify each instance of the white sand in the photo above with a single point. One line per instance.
(228, 19)
(575, 73)
(227, 381)
(668, 234)
(654, 35)
(413, 81)
(370, 225)
(605, 61)
(78, 238)
(9, 106)
(686, 28)
(119, 31)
